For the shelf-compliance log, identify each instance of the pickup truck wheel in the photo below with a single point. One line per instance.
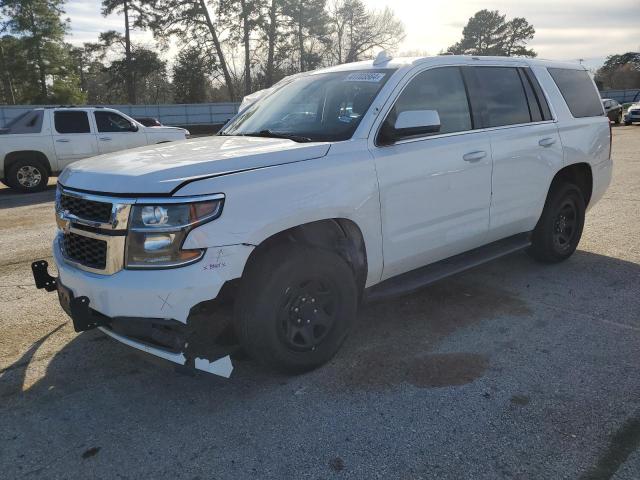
(559, 229)
(295, 307)
(27, 176)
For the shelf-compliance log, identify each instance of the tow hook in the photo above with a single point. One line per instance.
(42, 277)
(84, 318)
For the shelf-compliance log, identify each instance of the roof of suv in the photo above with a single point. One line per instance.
(448, 59)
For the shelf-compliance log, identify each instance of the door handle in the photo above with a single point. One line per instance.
(547, 142)
(474, 156)
(106, 139)
(62, 140)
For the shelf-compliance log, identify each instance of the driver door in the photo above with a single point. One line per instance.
(435, 189)
(116, 132)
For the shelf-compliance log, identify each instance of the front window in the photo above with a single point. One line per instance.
(317, 107)
(110, 122)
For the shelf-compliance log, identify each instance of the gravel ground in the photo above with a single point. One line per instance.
(511, 370)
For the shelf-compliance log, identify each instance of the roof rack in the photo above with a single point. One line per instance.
(75, 106)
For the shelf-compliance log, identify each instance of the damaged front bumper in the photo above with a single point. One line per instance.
(196, 339)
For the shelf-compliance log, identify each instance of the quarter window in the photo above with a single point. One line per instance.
(578, 91)
(112, 122)
(504, 96)
(72, 122)
(441, 89)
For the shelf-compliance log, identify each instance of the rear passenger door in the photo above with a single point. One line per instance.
(435, 189)
(525, 145)
(72, 136)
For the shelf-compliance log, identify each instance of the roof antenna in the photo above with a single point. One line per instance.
(382, 57)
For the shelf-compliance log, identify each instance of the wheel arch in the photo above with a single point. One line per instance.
(340, 235)
(579, 174)
(12, 157)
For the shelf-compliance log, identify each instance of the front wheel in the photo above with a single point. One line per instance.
(559, 229)
(295, 307)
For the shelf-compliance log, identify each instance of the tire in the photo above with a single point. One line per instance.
(627, 123)
(295, 306)
(559, 229)
(27, 176)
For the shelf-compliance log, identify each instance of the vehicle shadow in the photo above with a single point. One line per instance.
(10, 198)
(395, 342)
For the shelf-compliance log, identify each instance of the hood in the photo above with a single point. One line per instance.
(162, 168)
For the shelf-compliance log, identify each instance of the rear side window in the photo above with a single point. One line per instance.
(72, 122)
(504, 96)
(29, 122)
(529, 80)
(578, 91)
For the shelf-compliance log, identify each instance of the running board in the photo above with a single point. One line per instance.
(420, 277)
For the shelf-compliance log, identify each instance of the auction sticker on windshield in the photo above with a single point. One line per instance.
(373, 77)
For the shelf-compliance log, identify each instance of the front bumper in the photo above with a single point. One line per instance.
(156, 311)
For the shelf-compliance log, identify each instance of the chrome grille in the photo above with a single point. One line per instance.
(87, 251)
(86, 209)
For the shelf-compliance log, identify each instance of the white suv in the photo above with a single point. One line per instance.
(341, 185)
(43, 141)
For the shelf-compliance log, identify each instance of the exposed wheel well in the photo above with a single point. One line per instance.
(338, 235)
(13, 157)
(579, 174)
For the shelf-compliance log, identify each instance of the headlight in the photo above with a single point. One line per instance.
(158, 231)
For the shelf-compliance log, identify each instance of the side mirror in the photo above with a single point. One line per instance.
(416, 122)
(134, 128)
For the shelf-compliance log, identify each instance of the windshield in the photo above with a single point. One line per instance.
(319, 107)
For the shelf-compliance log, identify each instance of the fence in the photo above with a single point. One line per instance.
(622, 96)
(182, 114)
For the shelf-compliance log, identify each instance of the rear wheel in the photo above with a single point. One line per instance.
(27, 176)
(559, 229)
(295, 307)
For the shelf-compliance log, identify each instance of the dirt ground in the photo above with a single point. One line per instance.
(510, 370)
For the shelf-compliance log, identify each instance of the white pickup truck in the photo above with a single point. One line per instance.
(43, 141)
(339, 186)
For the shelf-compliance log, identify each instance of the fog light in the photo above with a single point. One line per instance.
(154, 243)
(154, 215)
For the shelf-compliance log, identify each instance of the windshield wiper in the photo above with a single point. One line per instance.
(272, 134)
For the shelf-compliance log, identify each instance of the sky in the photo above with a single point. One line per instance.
(565, 29)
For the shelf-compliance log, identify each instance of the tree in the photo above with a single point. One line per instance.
(489, 33)
(39, 24)
(309, 23)
(620, 71)
(107, 81)
(193, 22)
(357, 31)
(272, 36)
(242, 18)
(141, 18)
(7, 83)
(191, 76)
